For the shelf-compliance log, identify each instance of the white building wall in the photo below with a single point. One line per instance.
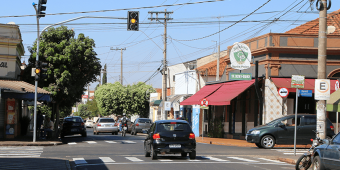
(186, 83)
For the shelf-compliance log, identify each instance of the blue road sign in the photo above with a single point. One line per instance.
(306, 93)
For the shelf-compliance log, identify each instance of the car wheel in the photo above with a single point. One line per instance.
(94, 132)
(116, 133)
(146, 153)
(62, 135)
(131, 132)
(84, 134)
(192, 155)
(258, 145)
(268, 142)
(113, 133)
(317, 164)
(153, 154)
(184, 154)
(135, 132)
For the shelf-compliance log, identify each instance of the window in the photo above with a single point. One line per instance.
(167, 127)
(173, 78)
(73, 120)
(336, 139)
(291, 121)
(106, 120)
(144, 121)
(152, 128)
(310, 120)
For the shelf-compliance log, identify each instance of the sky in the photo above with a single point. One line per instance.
(196, 28)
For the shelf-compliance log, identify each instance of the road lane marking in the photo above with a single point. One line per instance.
(165, 160)
(79, 161)
(271, 160)
(243, 159)
(214, 159)
(106, 159)
(20, 151)
(128, 141)
(110, 141)
(134, 159)
(91, 142)
(72, 143)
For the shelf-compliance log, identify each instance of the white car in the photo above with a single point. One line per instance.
(89, 123)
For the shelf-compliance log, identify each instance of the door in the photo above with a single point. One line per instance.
(148, 139)
(307, 126)
(286, 133)
(332, 154)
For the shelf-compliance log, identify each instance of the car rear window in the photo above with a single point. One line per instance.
(168, 127)
(73, 120)
(144, 121)
(106, 120)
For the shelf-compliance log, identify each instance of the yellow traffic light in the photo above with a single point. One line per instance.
(133, 20)
(37, 71)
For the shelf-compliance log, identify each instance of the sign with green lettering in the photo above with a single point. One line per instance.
(240, 76)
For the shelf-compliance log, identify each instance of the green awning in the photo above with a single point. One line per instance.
(155, 103)
(333, 104)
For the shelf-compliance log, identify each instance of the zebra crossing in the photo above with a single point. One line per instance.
(109, 142)
(172, 159)
(21, 151)
(291, 151)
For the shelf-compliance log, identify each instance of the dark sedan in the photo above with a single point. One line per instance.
(327, 156)
(73, 125)
(170, 137)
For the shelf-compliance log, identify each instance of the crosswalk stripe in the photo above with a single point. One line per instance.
(110, 141)
(106, 159)
(79, 161)
(20, 151)
(293, 153)
(72, 143)
(271, 160)
(215, 159)
(128, 141)
(165, 160)
(193, 160)
(243, 159)
(91, 142)
(134, 159)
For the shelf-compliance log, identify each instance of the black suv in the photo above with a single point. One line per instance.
(170, 137)
(73, 125)
(281, 131)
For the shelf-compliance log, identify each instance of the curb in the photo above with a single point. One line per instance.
(31, 144)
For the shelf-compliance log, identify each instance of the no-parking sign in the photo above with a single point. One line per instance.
(204, 102)
(283, 92)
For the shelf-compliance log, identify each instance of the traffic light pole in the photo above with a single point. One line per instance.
(37, 56)
(164, 72)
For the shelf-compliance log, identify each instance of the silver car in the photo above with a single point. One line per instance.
(105, 125)
(139, 125)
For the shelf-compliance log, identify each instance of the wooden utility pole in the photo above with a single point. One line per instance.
(322, 60)
(121, 63)
(164, 71)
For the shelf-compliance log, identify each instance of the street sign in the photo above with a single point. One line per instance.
(305, 93)
(167, 106)
(240, 76)
(240, 56)
(204, 102)
(322, 89)
(337, 85)
(298, 81)
(283, 92)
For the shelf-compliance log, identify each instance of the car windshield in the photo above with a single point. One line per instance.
(106, 120)
(144, 121)
(168, 127)
(73, 120)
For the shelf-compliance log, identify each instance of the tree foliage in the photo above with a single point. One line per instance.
(93, 107)
(83, 110)
(104, 75)
(72, 64)
(117, 99)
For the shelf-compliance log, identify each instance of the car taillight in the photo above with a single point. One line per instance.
(82, 124)
(115, 124)
(124, 124)
(311, 140)
(156, 136)
(98, 124)
(332, 127)
(192, 136)
(173, 123)
(137, 124)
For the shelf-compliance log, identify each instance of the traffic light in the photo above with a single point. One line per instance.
(133, 21)
(43, 71)
(41, 8)
(37, 70)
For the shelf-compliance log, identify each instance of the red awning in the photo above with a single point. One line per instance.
(309, 84)
(228, 91)
(201, 94)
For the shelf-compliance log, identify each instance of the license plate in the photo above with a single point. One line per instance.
(175, 146)
(74, 130)
(125, 128)
(107, 125)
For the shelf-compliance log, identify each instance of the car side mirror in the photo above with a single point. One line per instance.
(281, 125)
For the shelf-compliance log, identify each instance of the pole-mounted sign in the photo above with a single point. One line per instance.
(240, 56)
(283, 92)
(322, 89)
(204, 102)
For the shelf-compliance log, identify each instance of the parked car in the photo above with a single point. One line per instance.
(139, 125)
(170, 137)
(281, 131)
(73, 125)
(327, 156)
(129, 124)
(105, 125)
(89, 123)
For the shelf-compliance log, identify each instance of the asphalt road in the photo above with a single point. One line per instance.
(107, 151)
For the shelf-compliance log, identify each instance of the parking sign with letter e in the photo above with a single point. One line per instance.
(322, 89)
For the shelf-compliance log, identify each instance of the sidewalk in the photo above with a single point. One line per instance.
(243, 143)
(27, 140)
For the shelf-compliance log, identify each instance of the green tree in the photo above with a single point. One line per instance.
(83, 110)
(93, 108)
(72, 65)
(104, 75)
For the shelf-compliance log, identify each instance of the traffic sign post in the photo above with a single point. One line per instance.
(298, 81)
(283, 92)
(204, 102)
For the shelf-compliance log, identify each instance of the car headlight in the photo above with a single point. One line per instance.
(255, 132)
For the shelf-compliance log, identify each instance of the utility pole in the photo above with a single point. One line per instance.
(121, 63)
(218, 56)
(322, 62)
(164, 71)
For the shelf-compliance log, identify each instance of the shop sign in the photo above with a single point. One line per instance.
(3, 64)
(167, 106)
(240, 76)
(298, 81)
(322, 89)
(240, 56)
